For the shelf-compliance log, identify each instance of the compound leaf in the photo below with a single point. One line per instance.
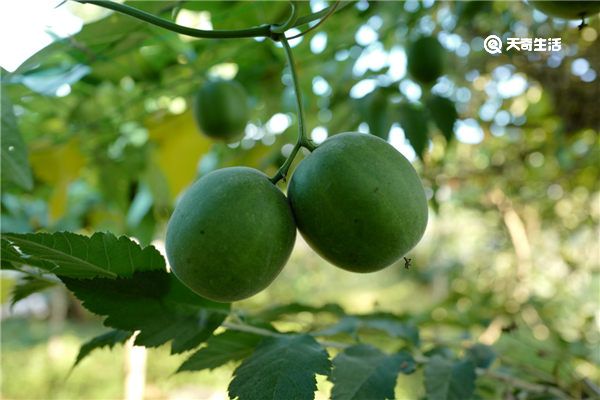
(364, 372)
(281, 368)
(449, 380)
(221, 349)
(77, 256)
(109, 339)
(154, 302)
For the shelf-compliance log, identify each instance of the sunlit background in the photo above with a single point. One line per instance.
(514, 198)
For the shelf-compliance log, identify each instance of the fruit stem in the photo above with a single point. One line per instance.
(302, 141)
(283, 170)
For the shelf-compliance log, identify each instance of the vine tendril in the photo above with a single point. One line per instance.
(330, 11)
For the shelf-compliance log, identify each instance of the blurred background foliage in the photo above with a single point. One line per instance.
(510, 257)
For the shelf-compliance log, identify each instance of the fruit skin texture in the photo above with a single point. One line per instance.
(221, 109)
(358, 202)
(567, 9)
(230, 235)
(426, 58)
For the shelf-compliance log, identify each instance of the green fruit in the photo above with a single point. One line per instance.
(230, 235)
(358, 202)
(567, 9)
(221, 109)
(426, 58)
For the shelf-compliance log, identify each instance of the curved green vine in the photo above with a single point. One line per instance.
(267, 30)
(330, 11)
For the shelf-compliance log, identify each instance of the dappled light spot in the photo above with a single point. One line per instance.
(362, 88)
(318, 43)
(319, 134)
(411, 90)
(278, 123)
(468, 131)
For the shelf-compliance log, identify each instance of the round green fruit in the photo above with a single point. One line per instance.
(221, 109)
(567, 9)
(230, 235)
(426, 58)
(358, 202)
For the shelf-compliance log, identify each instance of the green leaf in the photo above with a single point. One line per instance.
(294, 308)
(221, 349)
(281, 368)
(77, 256)
(482, 355)
(375, 110)
(413, 120)
(349, 325)
(13, 155)
(29, 285)
(389, 324)
(109, 339)
(364, 372)
(154, 302)
(449, 380)
(443, 112)
(393, 326)
(47, 81)
(9, 256)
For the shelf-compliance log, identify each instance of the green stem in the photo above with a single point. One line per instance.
(299, 105)
(259, 31)
(302, 141)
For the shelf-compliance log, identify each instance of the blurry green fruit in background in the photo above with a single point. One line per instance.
(230, 235)
(221, 109)
(358, 202)
(426, 59)
(567, 9)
